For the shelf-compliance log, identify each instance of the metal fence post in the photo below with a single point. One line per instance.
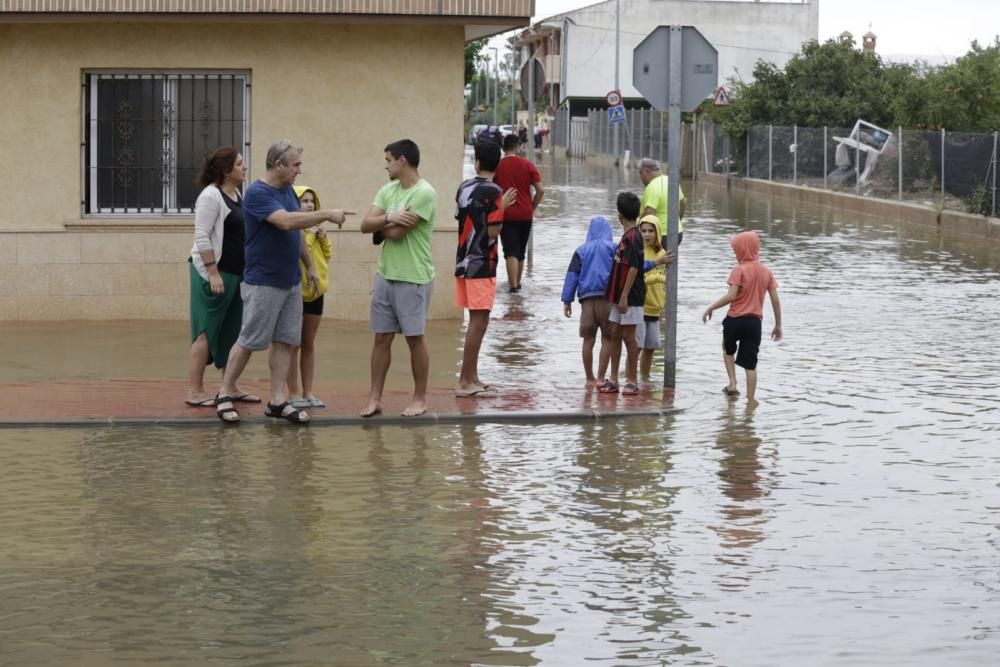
(694, 149)
(826, 161)
(770, 151)
(795, 155)
(857, 164)
(727, 152)
(899, 159)
(747, 175)
(649, 131)
(942, 166)
(994, 174)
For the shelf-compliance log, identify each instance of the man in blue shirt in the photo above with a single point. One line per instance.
(272, 289)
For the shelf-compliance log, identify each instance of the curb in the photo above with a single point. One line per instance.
(430, 419)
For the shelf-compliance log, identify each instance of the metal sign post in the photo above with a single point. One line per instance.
(675, 68)
(673, 206)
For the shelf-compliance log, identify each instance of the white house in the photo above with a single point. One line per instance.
(577, 48)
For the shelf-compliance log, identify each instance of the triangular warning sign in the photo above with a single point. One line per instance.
(721, 97)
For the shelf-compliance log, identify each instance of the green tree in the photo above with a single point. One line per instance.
(834, 84)
(963, 96)
(472, 50)
(831, 84)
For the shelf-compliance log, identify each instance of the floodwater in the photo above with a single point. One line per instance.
(850, 519)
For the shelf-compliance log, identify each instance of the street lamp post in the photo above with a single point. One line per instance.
(496, 80)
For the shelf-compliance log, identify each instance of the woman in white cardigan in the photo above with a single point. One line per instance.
(216, 271)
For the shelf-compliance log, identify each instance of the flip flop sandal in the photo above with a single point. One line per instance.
(246, 398)
(315, 402)
(225, 410)
(608, 387)
(730, 392)
(630, 390)
(286, 411)
(204, 403)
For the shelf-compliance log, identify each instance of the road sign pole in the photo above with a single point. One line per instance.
(617, 53)
(531, 141)
(673, 209)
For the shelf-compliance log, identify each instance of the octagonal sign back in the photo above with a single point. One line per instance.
(699, 67)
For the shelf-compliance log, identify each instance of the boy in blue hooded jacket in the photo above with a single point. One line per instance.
(586, 280)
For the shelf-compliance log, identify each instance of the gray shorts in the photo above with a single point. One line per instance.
(399, 307)
(647, 334)
(632, 316)
(270, 315)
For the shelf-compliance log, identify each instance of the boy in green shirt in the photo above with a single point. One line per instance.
(403, 215)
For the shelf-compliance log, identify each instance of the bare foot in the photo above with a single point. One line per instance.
(415, 409)
(373, 408)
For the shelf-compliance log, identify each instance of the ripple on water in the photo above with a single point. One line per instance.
(849, 519)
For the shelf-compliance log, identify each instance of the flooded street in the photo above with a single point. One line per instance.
(851, 519)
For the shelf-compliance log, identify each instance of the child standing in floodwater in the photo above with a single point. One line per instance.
(748, 281)
(647, 333)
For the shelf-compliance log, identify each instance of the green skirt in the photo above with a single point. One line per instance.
(218, 316)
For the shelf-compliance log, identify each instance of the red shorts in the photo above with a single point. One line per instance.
(475, 293)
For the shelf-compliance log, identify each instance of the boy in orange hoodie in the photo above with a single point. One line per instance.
(741, 329)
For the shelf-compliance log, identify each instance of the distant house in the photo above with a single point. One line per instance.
(109, 107)
(577, 48)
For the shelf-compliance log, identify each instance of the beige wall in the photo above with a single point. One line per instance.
(342, 91)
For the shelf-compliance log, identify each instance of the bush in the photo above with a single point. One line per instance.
(980, 201)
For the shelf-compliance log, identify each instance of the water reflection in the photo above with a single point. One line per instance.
(862, 491)
(744, 481)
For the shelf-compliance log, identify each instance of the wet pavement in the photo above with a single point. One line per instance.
(849, 519)
(86, 373)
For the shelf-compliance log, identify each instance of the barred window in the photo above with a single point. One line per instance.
(147, 134)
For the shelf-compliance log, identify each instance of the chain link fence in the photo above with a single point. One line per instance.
(951, 170)
(643, 134)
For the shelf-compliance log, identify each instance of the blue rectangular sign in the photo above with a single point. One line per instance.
(616, 114)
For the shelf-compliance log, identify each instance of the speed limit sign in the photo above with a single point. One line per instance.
(614, 98)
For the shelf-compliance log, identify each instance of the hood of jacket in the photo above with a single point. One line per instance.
(302, 189)
(599, 230)
(591, 264)
(746, 245)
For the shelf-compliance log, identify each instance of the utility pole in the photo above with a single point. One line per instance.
(513, 107)
(617, 56)
(496, 81)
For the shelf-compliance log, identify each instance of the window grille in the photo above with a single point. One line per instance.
(147, 134)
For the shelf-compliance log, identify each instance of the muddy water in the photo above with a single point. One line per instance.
(850, 519)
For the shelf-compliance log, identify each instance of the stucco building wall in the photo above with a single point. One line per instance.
(343, 91)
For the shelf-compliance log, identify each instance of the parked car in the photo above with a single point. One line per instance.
(506, 129)
(474, 132)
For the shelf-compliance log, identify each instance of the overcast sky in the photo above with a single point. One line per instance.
(911, 28)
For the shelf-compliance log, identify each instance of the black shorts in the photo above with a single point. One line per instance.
(514, 238)
(746, 332)
(313, 307)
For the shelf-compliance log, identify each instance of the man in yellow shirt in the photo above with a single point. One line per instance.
(656, 196)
